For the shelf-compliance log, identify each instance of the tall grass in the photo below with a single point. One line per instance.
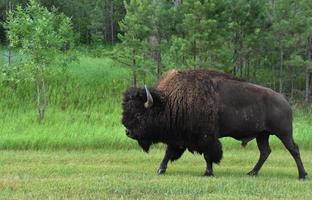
(84, 111)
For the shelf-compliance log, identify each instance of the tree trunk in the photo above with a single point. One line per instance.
(273, 75)
(308, 92)
(310, 88)
(156, 53)
(255, 72)
(238, 54)
(241, 68)
(292, 82)
(9, 7)
(9, 54)
(159, 64)
(38, 93)
(248, 69)
(235, 60)
(281, 70)
(42, 94)
(112, 22)
(134, 75)
(177, 2)
(194, 54)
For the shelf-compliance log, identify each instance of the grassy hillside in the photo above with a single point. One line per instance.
(84, 111)
(120, 174)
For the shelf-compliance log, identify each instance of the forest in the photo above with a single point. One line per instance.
(264, 41)
(65, 64)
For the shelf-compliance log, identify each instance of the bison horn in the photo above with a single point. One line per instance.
(149, 103)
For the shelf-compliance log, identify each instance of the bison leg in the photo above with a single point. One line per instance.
(214, 155)
(265, 150)
(172, 154)
(209, 169)
(292, 147)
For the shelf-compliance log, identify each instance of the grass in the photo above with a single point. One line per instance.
(84, 111)
(119, 174)
(84, 114)
(84, 153)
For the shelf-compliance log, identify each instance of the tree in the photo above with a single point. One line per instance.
(104, 20)
(134, 40)
(200, 33)
(44, 38)
(246, 18)
(160, 23)
(306, 40)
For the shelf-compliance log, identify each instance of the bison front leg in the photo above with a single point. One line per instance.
(172, 154)
(212, 155)
(209, 169)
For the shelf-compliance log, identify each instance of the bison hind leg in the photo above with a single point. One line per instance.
(293, 149)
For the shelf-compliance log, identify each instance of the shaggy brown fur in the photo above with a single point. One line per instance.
(182, 102)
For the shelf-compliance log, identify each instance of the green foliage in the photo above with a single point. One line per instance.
(86, 113)
(244, 37)
(40, 35)
(135, 24)
(241, 37)
(133, 49)
(200, 33)
(95, 21)
(43, 38)
(104, 19)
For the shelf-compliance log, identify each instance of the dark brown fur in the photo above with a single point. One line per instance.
(193, 108)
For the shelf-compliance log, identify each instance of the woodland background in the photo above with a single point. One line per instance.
(264, 41)
(64, 65)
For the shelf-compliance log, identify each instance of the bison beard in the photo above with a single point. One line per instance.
(145, 144)
(193, 109)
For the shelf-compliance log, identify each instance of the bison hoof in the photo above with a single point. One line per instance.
(161, 171)
(252, 173)
(208, 173)
(303, 176)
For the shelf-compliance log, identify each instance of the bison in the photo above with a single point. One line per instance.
(192, 109)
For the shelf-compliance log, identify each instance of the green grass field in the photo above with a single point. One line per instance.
(80, 151)
(84, 111)
(119, 174)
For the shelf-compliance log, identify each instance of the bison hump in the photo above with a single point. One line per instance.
(191, 98)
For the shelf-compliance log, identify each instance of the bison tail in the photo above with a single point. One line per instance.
(216, 153)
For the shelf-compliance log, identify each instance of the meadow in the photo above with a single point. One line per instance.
(80, 150)
(84, 111)
(120, 174)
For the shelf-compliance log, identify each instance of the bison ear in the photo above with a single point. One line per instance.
(149, 102)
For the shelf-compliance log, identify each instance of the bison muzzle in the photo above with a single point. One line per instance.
(192, 109)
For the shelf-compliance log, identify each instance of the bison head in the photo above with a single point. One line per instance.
(141, 108)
